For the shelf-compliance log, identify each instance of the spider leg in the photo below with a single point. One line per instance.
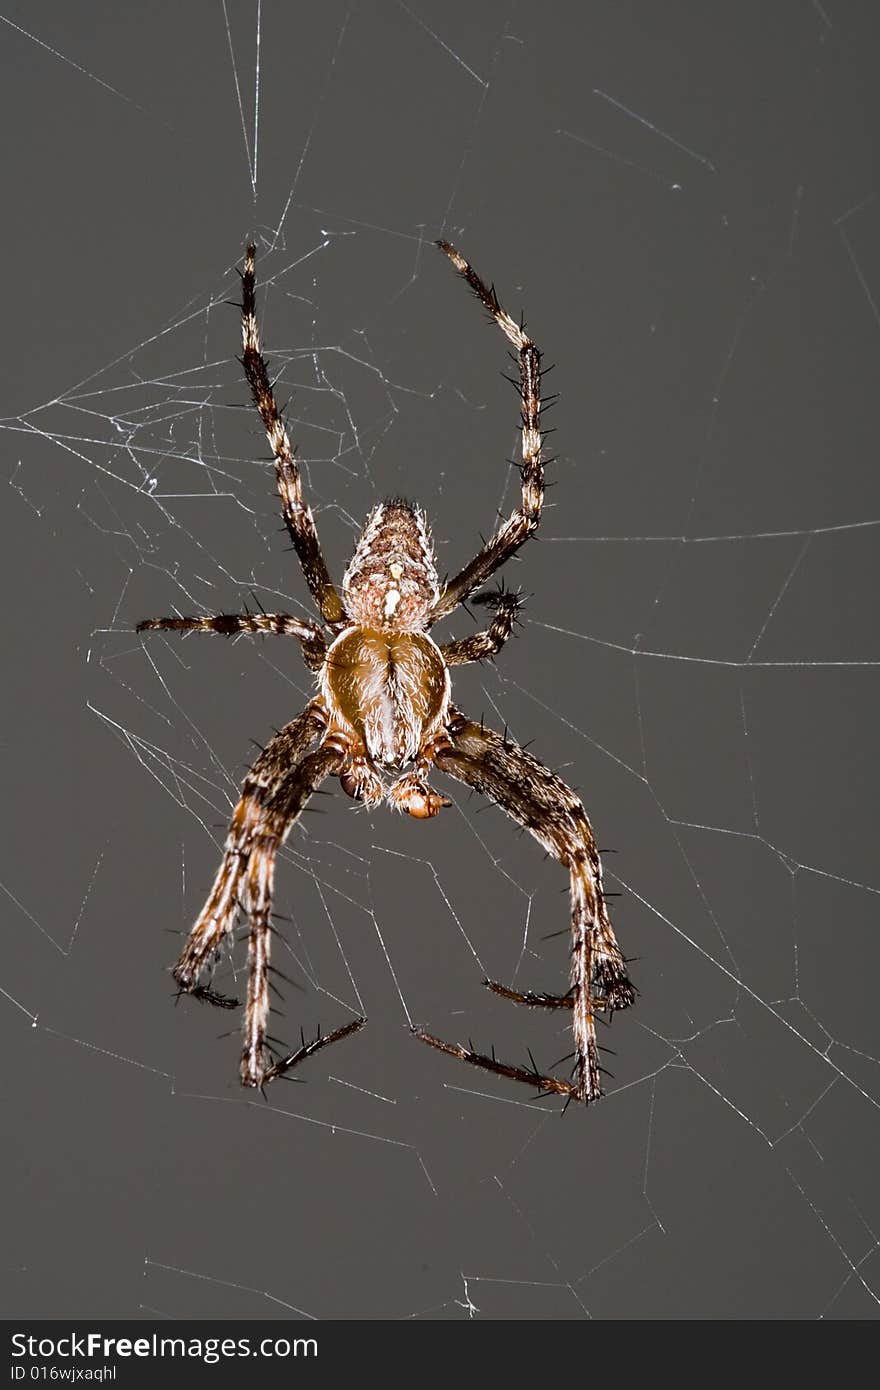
(220, 912)
(488, 642)
(278, 815)
(530, 997)
(524, 519)
(546, 1085)
(307, 632)
(541, 802)
(309, 1049)
(298, 516)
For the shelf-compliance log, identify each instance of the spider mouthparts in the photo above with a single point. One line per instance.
(420, 802)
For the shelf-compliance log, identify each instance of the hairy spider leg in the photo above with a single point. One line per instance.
(524, 519)
(218, 916)
(307, 632)
(488, 642)
(540, 801)
(278, 816)
(274, 794)
(297, 515)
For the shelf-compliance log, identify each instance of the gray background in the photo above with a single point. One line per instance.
(682, 196)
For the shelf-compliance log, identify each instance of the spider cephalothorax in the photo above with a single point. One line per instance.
(383, 717)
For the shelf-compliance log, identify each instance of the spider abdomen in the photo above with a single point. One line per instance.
(390, 689)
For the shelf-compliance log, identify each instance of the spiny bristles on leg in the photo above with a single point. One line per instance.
(250, 331)
(544, 1085)
(486, 294)
(308, 1049)
(501, 600)
(456, 257)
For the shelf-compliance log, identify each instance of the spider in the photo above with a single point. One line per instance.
(383, 717)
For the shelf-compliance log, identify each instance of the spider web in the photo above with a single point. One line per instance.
(698, 656)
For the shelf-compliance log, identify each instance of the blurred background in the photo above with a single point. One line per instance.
(682, 199)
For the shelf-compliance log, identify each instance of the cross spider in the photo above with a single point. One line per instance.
(383, 717)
